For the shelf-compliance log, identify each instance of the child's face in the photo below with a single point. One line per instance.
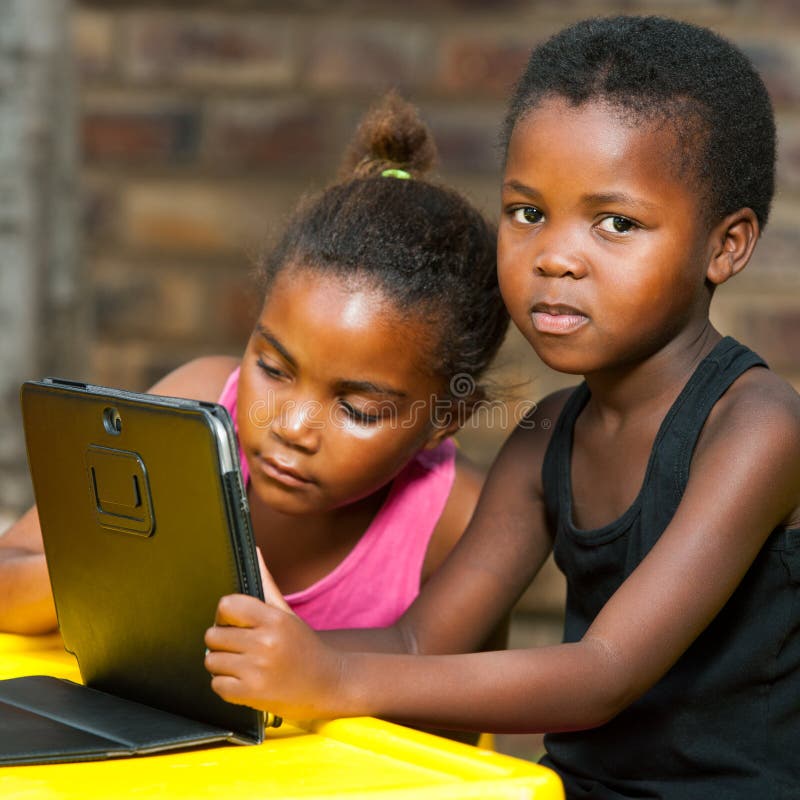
(602, 251)
(334, 397)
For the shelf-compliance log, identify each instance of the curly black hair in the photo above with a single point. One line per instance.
(661, 70)
(422, 245)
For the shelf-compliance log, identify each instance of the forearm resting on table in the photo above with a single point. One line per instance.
(564, 687)
(26, 601)
(395, 639)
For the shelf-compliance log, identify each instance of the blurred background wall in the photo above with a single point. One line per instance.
(150, 150)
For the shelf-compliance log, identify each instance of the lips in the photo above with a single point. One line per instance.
(557, 318)
(283, 473)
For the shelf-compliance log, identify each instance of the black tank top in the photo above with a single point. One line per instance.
(724, 722)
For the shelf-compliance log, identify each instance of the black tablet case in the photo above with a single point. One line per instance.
(143, 531)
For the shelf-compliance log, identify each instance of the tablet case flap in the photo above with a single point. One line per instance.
(48, 719)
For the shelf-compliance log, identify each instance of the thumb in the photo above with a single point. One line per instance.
(272, 594)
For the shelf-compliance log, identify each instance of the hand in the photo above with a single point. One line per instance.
(262, 655)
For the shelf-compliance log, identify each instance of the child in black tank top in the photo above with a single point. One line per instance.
(638, 177)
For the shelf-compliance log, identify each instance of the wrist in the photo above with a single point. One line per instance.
(354, 691)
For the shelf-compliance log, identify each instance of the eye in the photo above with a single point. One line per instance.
(527, 215)
(617, 224)
(359, 416)
(273, 372)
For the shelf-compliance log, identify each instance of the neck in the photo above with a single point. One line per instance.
(301, 549)
(645, 387)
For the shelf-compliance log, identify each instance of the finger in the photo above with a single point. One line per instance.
(272, 594)
(228, 638)
(228, 688)
(220, 663)
(240, 610)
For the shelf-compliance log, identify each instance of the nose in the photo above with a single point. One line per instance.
(298, 424)
(559, 257)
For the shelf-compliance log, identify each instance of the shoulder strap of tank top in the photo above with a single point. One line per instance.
(677, 435)
(558, 449)
(681, 429)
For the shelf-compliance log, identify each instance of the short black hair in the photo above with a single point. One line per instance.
(424, 246)
(664, 70)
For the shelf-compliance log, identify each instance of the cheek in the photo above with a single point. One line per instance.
(513, 279)
(255, 415)
(346, 431)
(364, 448)
(254, 410)
(367, 449)
(515, 299)
(360, 466)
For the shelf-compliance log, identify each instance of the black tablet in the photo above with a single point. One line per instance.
(145, 525)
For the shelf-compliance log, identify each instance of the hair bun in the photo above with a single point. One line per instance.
(390, 136)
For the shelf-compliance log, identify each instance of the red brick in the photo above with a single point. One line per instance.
(94, 43)
(375, 55)
(200, 218)
(779, 11)
(211, 49)
(284, 133)
(772, 329)
(467, 138)
(137, 364)
(237, 301)
(788, 166)
(428, 9)
(140, 136)
(99, 209)
(478, 63)
(120, 364)
(773, 267)
(778, 62)
(154, 301)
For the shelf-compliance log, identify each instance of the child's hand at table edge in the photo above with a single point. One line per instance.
(261, 654)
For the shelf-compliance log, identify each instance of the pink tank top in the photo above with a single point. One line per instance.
(380, 577)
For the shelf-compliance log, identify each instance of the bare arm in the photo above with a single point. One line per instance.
(458, 608)
(456, 515)
(274, 661)
(26, 602)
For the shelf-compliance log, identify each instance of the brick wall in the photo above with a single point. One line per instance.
(202, 124)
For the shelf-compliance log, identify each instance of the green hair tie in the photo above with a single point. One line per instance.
(396, 173)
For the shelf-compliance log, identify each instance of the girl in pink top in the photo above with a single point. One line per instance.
(380, 577)
(381, 313)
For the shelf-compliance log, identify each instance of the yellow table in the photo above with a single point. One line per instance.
(352, 759)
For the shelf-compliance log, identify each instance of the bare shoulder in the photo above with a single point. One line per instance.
(757, 422)
(200, 379)
(759, 401)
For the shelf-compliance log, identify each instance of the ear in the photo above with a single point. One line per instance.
(732, 242)
(448, 416)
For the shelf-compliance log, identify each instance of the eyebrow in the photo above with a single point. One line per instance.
(521, 188)
(599, 198)
(344, 385)
(271, 339)
(613, 198)
(368, 387)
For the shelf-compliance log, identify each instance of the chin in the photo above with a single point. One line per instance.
(566, 359)
(286, 501)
